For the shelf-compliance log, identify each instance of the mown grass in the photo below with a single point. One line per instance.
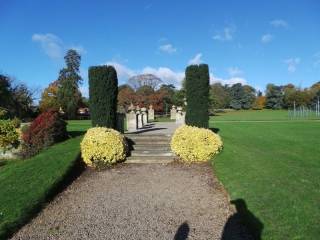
(259, 115)
(275, 168)
(163, 119)
(25, 185)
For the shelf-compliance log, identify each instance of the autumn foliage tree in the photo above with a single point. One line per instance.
(259, 103)
(126, 96)
(49, 98)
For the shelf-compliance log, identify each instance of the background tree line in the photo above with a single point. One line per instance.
(16, 99)
(237, 96)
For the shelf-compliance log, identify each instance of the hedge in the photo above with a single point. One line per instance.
(103, 92)
(197, 94)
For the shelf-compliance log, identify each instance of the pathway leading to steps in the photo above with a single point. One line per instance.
(152, 143)
(140, 201)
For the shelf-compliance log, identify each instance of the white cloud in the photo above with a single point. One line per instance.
(167, 75)
(279, 23)
(123, 71)
(225, 35)
(80, 49)
(53, 46)
(227, 81)
(50, 43)
(266, 38)
(234, 71)
(292, 64)
(197, 59)
(84, 89)
(316, 58)
(167, 48)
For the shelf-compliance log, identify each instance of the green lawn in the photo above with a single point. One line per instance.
(275, 168)
(257, 115)
(26, 184)
(78, 125)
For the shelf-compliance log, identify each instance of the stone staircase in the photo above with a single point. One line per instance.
(153, 148)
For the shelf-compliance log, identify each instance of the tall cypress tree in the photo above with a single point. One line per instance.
(103, 92)
(197, 93)
(69, 79)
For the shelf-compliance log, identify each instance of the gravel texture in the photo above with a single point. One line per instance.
(148, 201)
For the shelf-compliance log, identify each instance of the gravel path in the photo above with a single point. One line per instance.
(149, 201)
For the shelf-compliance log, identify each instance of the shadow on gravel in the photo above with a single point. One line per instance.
(182, 232)
(243, 217)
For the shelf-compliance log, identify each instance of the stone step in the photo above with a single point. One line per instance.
(150, 142)
(148, 147)
(151, 153)
(168, 139)
(149, 159)
(133, 135)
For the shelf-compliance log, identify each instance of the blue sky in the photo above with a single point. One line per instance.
(253, 42)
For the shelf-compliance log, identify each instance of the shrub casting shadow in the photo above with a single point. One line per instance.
(243, 217)
(182, 232)
(75, 170)
(74, 134)
(215, 130)
(3, 162)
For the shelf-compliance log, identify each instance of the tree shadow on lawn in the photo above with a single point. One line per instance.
(75, 170)
(74, 134)
(233, 229)
(3, 162)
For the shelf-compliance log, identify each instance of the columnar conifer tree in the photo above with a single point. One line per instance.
(197, 94)
(103, 92)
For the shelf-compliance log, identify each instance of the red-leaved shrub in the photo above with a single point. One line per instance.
(48, 128)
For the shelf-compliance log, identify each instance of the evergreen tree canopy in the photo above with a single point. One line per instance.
(274, 97)
(69, 79)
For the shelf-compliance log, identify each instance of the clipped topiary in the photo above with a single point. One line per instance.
(197, 94)
(103, 92)
(103, 147)
(48, 128)
(193, 144)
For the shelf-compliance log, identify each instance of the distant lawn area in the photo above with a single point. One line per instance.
(275, 168)
(258, 115)
(26, 184)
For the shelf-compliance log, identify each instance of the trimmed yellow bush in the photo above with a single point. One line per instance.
(102, 147)
(9, 137)
(193, 144)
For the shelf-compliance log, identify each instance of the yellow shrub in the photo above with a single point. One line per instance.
(103, 146)
(195, 144)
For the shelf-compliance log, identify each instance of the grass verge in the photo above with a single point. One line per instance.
(26, 185)
(274, 167)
